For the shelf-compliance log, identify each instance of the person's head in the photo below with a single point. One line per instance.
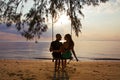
(67, 37)
(58, 37)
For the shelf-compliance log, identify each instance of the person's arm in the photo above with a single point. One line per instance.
(74, 54)
(51, 49)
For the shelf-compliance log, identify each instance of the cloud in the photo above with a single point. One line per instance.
(110, 7)
(10, 37)
(11, 29)
(11, 34)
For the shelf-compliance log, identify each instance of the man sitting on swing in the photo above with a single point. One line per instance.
(54, 48)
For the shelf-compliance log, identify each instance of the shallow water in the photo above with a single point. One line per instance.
(85, 50)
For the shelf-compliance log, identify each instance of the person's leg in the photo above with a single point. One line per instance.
(58, 56)
(52, 60)
(63, 64)
(58, 64)
(55, 64)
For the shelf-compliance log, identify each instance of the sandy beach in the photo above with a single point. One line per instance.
(44, 70)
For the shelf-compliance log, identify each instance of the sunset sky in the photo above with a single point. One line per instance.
(100, 23)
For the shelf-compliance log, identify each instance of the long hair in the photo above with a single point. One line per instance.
(69, 39)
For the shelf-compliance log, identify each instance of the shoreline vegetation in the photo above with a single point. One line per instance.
(44, 70)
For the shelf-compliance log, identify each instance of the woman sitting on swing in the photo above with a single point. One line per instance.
(67, 49)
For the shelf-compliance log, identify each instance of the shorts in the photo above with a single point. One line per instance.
(66, 55)
(56, 55)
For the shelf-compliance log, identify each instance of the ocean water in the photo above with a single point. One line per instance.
(85, 50)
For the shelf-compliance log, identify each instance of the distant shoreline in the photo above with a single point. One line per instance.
(80, 59)
(100, 58)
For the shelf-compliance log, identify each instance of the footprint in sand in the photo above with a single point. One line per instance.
(96, 71)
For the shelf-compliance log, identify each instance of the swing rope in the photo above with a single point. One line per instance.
(52, 30)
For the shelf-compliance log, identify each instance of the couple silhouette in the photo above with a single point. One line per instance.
(62, 51)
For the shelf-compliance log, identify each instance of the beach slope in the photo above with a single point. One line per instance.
(44, 70)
